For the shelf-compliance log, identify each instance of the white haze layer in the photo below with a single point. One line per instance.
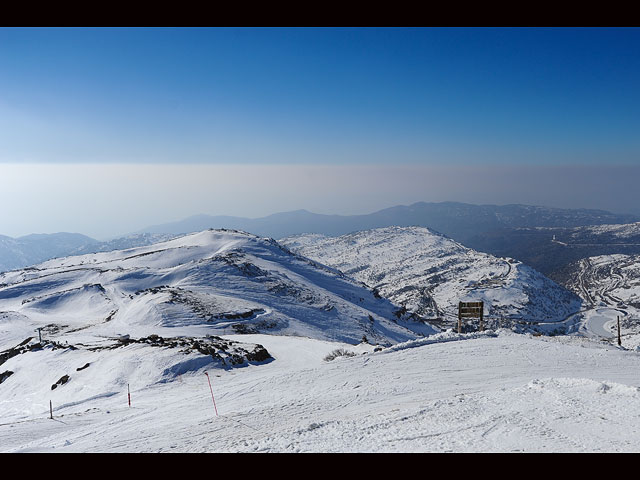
(109, 199)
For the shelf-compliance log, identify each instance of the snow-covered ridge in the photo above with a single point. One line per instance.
(592, 235)
(612, 280)
(216, 281)
(617, 230)
(121, 243)
(35, 248)
(429, 274)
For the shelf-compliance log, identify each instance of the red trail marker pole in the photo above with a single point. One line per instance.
(214, 400)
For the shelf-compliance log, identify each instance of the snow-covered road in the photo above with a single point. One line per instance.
(596, 319)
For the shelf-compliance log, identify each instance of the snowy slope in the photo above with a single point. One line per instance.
(148, 314)
(121, 243)
(429, 274)
(474, 393)
(613, 280)
(610, 288)
(156, 318)
(24, 251)
(210, 282)
(32, 249)
(606, 233)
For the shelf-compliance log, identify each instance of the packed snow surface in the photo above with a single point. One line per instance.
(492, 392)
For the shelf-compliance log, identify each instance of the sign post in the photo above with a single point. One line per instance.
(470, 310)
(619, 339)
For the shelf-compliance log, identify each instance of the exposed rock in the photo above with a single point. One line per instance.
(5, 375)
(64, 379)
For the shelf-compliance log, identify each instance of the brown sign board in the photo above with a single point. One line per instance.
(471, 304)
(470, 309)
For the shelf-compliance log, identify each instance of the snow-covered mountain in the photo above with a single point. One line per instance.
(122, 243)
(146, 315)
(213, 281)
(519, 231)
(610, 288)
(429, 273)
(31, 249)
(156, 318)
(613, 280)
(36, 248)
(604, 279)
(602, 234)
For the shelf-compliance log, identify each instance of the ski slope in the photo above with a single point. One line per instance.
(498, 392)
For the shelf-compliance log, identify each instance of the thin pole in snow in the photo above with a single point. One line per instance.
(210, 388)
(619, 339)
(129, 394)
(50, 410)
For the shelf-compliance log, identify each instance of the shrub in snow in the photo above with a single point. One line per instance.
(339, 352)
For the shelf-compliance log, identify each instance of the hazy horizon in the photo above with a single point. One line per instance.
(105, 201)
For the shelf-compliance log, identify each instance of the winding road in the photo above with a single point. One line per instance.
(596, 321)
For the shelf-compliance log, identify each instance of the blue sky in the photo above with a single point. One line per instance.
(421, 114)
(320, 95)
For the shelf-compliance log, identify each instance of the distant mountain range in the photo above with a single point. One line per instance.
(460, 221)
(501, 230)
